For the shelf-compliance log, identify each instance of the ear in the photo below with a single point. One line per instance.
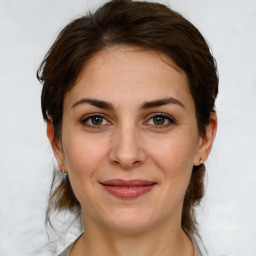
(56, 146)
(206, 142)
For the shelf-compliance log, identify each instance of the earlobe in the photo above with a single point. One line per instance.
(56, 145)
(206, 142)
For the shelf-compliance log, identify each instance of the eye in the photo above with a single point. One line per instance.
(161, 120)
(95, 121)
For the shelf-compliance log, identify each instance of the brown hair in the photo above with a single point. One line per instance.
(124, 22)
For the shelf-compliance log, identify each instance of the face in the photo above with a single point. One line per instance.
(130, 139)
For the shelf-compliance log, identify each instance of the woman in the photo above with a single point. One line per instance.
(128, 97)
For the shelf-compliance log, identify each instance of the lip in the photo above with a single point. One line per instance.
(128, 189)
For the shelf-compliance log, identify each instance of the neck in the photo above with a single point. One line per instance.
(158, 241)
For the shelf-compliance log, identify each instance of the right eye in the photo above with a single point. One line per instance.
(95, 121)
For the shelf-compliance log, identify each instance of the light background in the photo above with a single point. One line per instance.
(228, 213)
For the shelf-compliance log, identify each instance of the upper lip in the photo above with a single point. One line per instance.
(128, 183)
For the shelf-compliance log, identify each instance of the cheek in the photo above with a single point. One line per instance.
(83, 154)
(175, 156)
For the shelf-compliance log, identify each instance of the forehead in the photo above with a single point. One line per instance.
(133, 72)
(130, 58)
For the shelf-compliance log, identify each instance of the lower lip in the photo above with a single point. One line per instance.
(128, 192)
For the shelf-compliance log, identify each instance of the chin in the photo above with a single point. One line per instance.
(130, 227)
(129, 222)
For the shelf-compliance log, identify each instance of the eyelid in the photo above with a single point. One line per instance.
(87, 117)
(171, 119)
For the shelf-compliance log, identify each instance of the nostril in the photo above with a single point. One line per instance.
(126, 164)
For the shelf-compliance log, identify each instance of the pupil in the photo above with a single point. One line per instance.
(158, 120)
(97, 120)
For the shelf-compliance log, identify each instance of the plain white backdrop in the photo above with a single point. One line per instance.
(227, 215)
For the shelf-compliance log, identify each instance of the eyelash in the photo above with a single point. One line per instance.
(167, 118)
(90, 118)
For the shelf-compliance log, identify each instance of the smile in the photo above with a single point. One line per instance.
(128, 189)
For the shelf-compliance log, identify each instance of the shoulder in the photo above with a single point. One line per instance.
(197, 251)
(68, 249)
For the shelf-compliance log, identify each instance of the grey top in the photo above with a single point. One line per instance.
(68, 249)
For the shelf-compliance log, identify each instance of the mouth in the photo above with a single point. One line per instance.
(128, 189)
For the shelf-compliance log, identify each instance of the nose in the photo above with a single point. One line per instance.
(126, 148)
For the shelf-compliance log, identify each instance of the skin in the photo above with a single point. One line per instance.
(156, 143)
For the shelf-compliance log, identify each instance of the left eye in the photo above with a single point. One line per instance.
(95, 120)
(160, 120)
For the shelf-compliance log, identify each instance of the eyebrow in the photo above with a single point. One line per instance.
(149, 104)
(161, 102)
(95, 102)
